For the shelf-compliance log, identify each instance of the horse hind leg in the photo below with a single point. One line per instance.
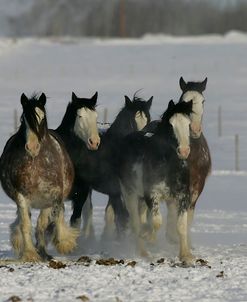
(110, 227)
(28, 252)
(43, 222)
(131, 202)
(87, 214)
(65, 237)
(171, 226)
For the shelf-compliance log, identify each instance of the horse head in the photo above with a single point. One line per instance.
(194, 91)
(85, 124)
(177, 115)
(34, 122)
(140, 109)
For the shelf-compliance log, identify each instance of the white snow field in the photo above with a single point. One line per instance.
(115, 68)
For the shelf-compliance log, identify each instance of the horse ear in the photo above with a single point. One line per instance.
(128, 101)
(171, 105)
(182, 83)
(74, 97)
(24, 99)
(149, 102)
(204, 84)
(94, 98)
(42, 99)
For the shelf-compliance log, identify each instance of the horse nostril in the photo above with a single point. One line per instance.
(90, 141)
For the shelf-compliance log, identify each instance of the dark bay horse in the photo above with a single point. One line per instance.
(36, 172)
(154, 168)
(199, 160)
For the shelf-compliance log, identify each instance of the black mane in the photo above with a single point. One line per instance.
(31, 116)
(124, 122)
(181, 107)
(68, 120)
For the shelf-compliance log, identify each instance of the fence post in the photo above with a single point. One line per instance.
(105, 116)
(122, 19)
(219, 122)
(236, 152)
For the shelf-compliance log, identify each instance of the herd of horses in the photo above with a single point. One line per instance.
(137, 162)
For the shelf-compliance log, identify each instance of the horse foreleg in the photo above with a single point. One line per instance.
(29, 252)
(171, 226)
(43, 221)
(154, 217)
(185, 254)
(64, 236)
(87, 214)
(16, 237)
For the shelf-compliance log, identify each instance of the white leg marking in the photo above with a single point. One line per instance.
(110, 226)
(87, 213)
(65, 236)
(182, 226)
(29, 252)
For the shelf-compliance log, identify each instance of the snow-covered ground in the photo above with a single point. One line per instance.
(115, 68)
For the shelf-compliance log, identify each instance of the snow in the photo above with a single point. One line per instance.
(115, 68)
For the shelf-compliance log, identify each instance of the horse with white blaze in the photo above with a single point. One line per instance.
(36, 172)
(154, 168)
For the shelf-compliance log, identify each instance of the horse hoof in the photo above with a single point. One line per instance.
(188, 260)
(30, 256)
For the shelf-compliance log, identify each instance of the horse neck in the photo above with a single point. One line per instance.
(164, 132)
(68, 121)
(123, 125)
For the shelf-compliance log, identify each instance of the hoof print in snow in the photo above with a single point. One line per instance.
(203, 262)
(131, 263)
(83, 298)
(56, 264)
(84, 260)
(220, 275)
(109, 261)
(161, 261)
(10, 269)
(14, 299)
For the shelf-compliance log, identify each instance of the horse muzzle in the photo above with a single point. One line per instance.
(32, 149)
(93, 144)
(196, 130)
(183, 152)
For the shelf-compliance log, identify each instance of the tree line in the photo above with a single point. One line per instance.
(129, 18)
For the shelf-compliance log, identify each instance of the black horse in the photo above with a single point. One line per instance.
(199, 160)
(153, 168)
(98, 169)
(133, 117)
(36, 172)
